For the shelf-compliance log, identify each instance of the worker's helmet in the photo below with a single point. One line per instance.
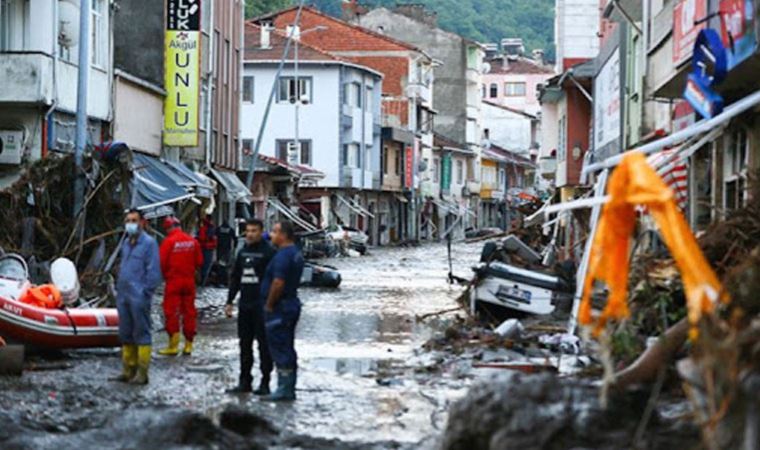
(171, 222)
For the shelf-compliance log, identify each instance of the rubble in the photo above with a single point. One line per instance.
(37, 215)
(515, 411)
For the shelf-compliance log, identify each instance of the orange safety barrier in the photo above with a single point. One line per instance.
(46, 296)
(634, 182)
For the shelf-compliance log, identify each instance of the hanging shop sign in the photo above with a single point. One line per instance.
(709, 68)
(738, 30)
(182, 72)
(607, 102)
(446, 172)
(409, 167)
(687, 15)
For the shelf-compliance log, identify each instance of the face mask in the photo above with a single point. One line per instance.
(132, 228)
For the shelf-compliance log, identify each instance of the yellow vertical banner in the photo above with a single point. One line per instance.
(182, 73)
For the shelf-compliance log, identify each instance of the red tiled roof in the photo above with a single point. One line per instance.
(339, 36)
(254, 52)
(518, 66)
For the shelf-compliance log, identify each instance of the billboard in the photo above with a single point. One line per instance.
(182, 72)
(738, 30)
(607, 102)
(685, 31)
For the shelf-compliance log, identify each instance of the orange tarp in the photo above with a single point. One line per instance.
(634, 182)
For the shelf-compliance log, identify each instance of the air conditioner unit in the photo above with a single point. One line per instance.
(11, 147)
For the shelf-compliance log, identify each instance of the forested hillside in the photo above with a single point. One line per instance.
(481, 20)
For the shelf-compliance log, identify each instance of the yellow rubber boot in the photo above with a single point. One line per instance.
(188, 350)
(129, 363)
(144, 353)
(173, 348)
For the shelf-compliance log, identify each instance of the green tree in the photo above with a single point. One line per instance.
(480, 20)
(255, 8)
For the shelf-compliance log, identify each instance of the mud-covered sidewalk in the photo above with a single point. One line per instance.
(362, 382)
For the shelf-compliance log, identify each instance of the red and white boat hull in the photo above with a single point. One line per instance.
(56, 328)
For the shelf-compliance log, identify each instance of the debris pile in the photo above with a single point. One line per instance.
(38, 222)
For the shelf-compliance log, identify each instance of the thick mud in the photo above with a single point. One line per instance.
(363, 382)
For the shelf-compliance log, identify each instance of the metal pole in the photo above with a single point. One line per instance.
(294, 158)
(81, 130)
(265, 119)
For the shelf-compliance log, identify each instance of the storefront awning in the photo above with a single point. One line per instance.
(354, 206)
(200, 184)
(402, 199)
(291, 215)
(234, 189)
(154, 187)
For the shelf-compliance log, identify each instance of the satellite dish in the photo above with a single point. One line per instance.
(68, 23)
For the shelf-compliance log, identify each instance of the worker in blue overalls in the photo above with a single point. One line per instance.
(283, 308)
(139, 276)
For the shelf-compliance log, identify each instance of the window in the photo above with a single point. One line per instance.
(398, 163)
(494, 90)
(287, 92)
(353, 94)
(14, 24)
(502, 178)
(288, 151)
(735, 162)
(226, 62)
(460, 172)
(247, 147)
(248, 89)
(386, 169)
(424, 120)
(436, 170)
(514, 89)
(352, 155)
(98, 33)
(370, 99)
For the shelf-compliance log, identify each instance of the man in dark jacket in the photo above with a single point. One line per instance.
(248, 270)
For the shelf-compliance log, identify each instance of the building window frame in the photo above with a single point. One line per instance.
(287, 86)
(515, 89)
(304, 152)
(249, 89)
(493, 91)
(98, 31)
(735, 168)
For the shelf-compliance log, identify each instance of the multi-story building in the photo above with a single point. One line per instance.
(38, 93)
(720, 161)
(407, 101)
(456, 94)
(325, 117)
(512, 80)
(140, 85)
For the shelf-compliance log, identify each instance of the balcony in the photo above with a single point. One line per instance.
(27, 78)
(547, 167)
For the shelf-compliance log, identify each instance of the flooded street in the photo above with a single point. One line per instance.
(362, 384)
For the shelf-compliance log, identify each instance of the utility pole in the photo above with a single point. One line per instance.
(81, 130)
(294, 159)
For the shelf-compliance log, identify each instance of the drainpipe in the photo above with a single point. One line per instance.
(49, 112)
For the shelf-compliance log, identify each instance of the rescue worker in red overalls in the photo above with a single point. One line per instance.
(181, 256)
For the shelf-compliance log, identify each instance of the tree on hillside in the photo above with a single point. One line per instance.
(255, 8)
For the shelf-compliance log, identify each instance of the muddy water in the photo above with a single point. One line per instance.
(360, 382)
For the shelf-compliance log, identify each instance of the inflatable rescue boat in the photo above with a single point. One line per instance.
(30, 323)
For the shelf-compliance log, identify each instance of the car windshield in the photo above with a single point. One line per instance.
(13, 269)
